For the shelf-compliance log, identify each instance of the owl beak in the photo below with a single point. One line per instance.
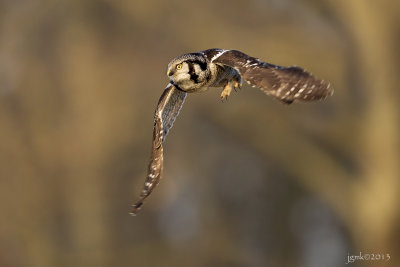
(170, 72)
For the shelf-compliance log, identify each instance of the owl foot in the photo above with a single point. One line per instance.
(227, 91)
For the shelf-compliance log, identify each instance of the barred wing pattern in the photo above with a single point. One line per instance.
(167, 110)
(285, 83)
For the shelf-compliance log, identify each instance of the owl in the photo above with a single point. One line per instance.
(196, 72)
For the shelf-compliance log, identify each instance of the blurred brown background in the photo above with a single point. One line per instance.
(250, 182)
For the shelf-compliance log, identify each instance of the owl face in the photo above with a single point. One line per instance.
(178, 71)
(188, 72)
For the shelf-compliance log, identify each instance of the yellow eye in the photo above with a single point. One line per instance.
(179, 66)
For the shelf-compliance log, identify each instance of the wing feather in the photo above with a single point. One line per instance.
(167, 110)
(285, 83)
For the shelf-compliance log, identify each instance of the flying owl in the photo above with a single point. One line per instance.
(196, 72)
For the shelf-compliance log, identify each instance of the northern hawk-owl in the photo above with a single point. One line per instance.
(196, 72)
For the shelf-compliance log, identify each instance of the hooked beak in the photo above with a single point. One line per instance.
(170, 72)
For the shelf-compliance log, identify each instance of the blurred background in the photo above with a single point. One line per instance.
(249, 182)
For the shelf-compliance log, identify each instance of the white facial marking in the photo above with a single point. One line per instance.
(197, 68)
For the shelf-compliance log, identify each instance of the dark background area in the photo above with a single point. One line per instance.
(249, 182)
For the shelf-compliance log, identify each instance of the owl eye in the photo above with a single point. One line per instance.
(179, 66)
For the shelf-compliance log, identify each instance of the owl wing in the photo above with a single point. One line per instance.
(167, 110)
(285, 83)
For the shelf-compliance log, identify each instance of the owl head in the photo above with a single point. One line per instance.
(188, 72)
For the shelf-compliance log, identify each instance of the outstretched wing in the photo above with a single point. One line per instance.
(285, 83)
(167, 110)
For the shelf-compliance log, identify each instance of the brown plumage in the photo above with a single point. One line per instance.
(285, 83)
(168, 108)
(196, 72)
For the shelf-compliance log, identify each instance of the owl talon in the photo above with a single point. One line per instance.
(237, 85)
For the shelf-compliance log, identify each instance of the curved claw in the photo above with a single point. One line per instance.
(237, 85)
